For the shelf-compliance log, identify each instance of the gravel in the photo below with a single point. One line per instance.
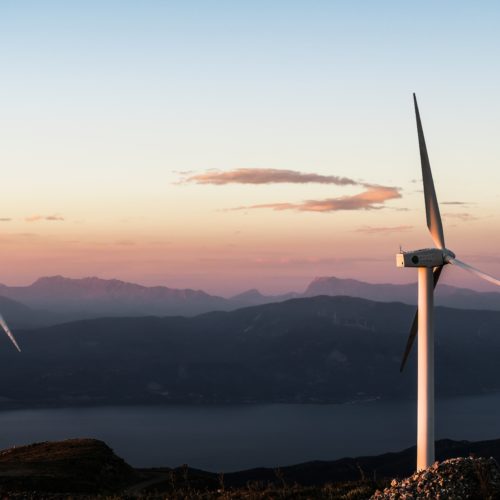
(456, 478)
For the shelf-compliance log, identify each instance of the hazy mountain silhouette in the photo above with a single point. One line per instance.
(94, 297)
(253, 297)
(56, 299)
(19, 315)
(445, 295)
(303, 350)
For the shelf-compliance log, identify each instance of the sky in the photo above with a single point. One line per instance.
(228, 145)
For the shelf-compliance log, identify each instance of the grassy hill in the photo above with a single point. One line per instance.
(87, 468)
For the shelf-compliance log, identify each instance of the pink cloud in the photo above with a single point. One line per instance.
(371, 199)
(464, 216)
(267, 176)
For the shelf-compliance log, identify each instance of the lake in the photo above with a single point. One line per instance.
(228, 438)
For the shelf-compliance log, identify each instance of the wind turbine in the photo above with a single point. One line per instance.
(430, 263)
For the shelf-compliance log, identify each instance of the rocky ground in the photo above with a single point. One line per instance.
(455, 478)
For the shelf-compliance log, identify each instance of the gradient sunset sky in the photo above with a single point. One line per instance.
(226, 145)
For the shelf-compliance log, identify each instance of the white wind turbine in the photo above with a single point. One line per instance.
(430, 263)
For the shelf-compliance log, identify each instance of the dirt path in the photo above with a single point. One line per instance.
(157, 477)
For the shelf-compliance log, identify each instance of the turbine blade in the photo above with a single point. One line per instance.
(473, 270)
(431, 204)
(414, 326)
(6, 329)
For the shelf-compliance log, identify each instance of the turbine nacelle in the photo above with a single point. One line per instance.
(427, 257)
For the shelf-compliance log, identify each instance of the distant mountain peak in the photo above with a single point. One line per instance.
(407, 293)
(86, 280)
(94, 296)
(336, 280)
(50, 279)
(253, 293)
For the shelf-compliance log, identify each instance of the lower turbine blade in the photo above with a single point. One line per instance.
(414, 326)
(6, 329)
(475, 271)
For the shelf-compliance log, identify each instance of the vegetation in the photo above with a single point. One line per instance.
(87, 468)
(353, 490)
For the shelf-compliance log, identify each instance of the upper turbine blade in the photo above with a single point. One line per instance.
(473, 270)
(431, 204)
(436, 273)
(8, 332)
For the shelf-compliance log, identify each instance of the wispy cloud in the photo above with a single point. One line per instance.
(267, 176)
(455, 203)
(5, 219)
(183, 172)
(464, 216)
(36, 218)
(371, 199)
(382, 229)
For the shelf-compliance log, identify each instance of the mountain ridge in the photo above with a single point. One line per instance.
(317, 350)
(55, 299)
(446, 295)
(92, 297)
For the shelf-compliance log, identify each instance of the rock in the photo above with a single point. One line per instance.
(464, 478)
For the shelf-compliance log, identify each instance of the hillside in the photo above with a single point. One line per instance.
(79, 465)
(88, 467)
(19, 315)
(321, 349)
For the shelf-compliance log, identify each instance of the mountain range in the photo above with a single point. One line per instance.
(318, 349)
(445, 295)
(57, 299)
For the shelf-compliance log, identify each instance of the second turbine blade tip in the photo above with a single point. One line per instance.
(6, 329)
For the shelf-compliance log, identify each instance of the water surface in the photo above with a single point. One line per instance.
(226, 438)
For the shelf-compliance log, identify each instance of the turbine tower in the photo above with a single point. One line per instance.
(430, 263)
